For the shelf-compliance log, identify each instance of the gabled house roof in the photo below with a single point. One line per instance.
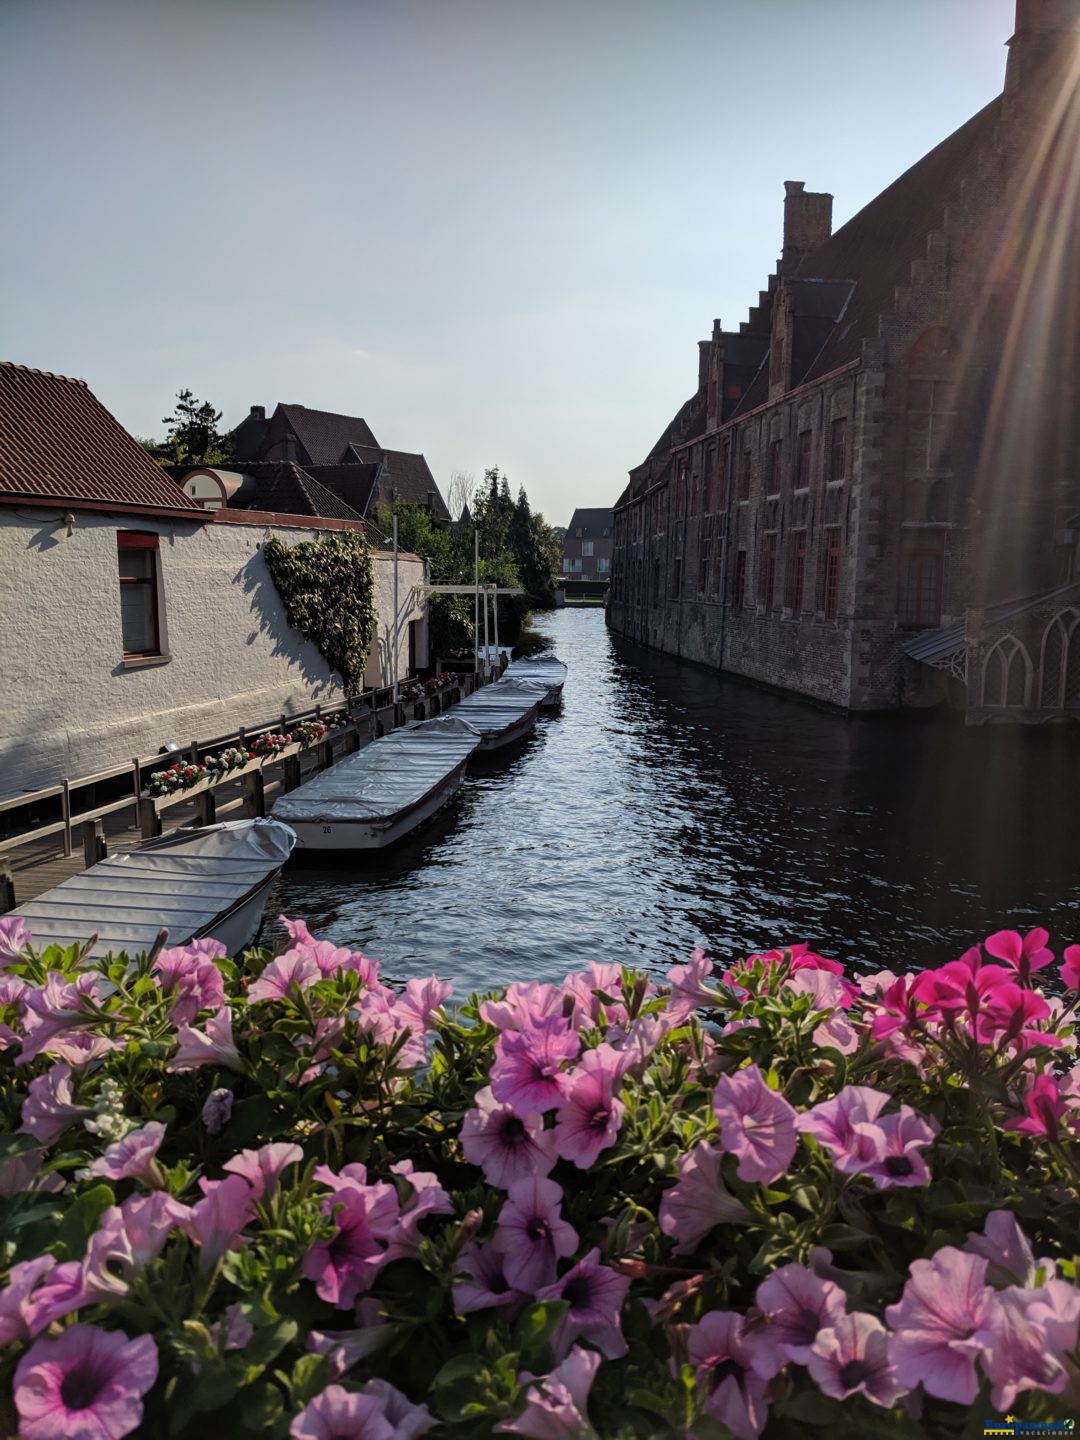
(403, 475)
(326, 436)
(58, 444)
(279, 486)
(594, 524)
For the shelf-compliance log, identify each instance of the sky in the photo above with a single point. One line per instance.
(496, 229)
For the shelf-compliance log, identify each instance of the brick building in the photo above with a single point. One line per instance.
(873, 495)
(588, 545)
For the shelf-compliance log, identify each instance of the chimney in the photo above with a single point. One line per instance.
(1041, 37)
(807, 223)
(258, 412)
(431, 502)
(704, 357)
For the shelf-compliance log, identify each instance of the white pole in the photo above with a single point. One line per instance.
(476, 601)
(396, 618)
(495, 606)
(486, 661)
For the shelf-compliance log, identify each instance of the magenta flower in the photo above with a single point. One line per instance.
(1028, 1337)
(852, 1358)
(216, 1222)
(557, 1406)
(1006, 1249)
(1070, 967)
(214, 1046)
(595, 1294)
(945, 1303)
(340, 1414)
(133, 1157)
(294, 971)
(216, 1110)
(14, 938)
(532, 1235)
(845, 1126)
(49, 1107)
(505, 1145)
(189, 974)
(795, 1305)
(899, 1008)
(15, 1297)
(1023, 954)
(589, 1118)
(481, 1282)
(699, 1200)
(717, 1349)
(527, 1072)
(899, 1161)
(344, 1266)
(428, 1198)
(87, 1384)
(408, 1421)
(263, 1168)
(756, 1124)
(1046, 1111)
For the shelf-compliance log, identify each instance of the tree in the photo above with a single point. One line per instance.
(193, 437)
(459, 493)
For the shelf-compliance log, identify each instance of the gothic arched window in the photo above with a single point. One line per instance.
(1005, 676)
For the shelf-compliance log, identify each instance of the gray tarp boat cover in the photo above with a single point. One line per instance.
(386, 777)
(494, 708)
(182, 882)
(545, 668)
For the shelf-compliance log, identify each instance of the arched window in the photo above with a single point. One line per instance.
(1006, 675)
(1061, 662)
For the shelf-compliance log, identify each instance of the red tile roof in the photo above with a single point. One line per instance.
(59, 444)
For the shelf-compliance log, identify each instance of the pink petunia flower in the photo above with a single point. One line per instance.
(1007, 1251)
(408, 1421)
(718, 1351)
(505, 1145)
(294, 971)
(756, 1124)
(214, 1046)
(1028, 1337)
(15, 1297)
(216, 1110)
(346, 1348)
(1070, 967)
(1046, 1111)
(217, 1221)
(263, 1168)
(945, 1303)
(188, 973)
(795, 1305)
(557, 1406)
(589, 1117)
(852, 1357)
(340, 1414)
(690, 987)
(60, 1293)
(332, 960)
(844, 1126)
(699, 1200)
(344, 1266)
(421, 1002)
(1022, 953)
(481, 1283)
(54, 1009)
(85, 1384)
(526, 1005)
(14, 938)
(605, 977)
(298, 931)
(532, 1235)
(49, 1107)
(128, 1238)
(427, 1198)
(133, 1157)
(595, 1294)
(527, 1072)
(899, 1161)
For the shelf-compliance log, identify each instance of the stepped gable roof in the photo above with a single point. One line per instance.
(876, 247)
(591, 522)
(408, 475)
(325, 435)
(58, 443)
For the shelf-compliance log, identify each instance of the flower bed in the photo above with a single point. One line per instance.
(277, 1197)
(185, 776)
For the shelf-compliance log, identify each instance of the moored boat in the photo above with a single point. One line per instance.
(545, 669)
(207, 881)
(383, 792)
(503, 713)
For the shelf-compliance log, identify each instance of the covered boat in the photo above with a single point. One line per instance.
(502, 713)
(210, 881)
(384, 791)
(546, 669)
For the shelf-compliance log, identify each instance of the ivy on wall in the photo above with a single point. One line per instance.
(328, 589)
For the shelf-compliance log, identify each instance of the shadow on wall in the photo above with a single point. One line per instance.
(268, 609)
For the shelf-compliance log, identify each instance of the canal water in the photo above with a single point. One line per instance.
(666, 807)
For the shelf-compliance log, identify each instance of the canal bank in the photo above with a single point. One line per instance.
(666, 807)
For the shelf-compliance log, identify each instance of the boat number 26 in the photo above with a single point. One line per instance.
(326, 830)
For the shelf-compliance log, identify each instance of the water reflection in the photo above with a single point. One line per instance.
(667, 807)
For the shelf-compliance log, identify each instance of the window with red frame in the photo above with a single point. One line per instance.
(767, 578)
(137, 553)
(797, 572)
(738, 585)
(830, 600)
(806, 453)
(922, 572)
(744, 474)
(776, 460)
(838, 450)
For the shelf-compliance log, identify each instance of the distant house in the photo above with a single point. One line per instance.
(134, 612)
(588, 545)
(341, 453)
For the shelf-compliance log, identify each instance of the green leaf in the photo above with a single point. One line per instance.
(11, 1145)
(80, 1222)
(269, 1341)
